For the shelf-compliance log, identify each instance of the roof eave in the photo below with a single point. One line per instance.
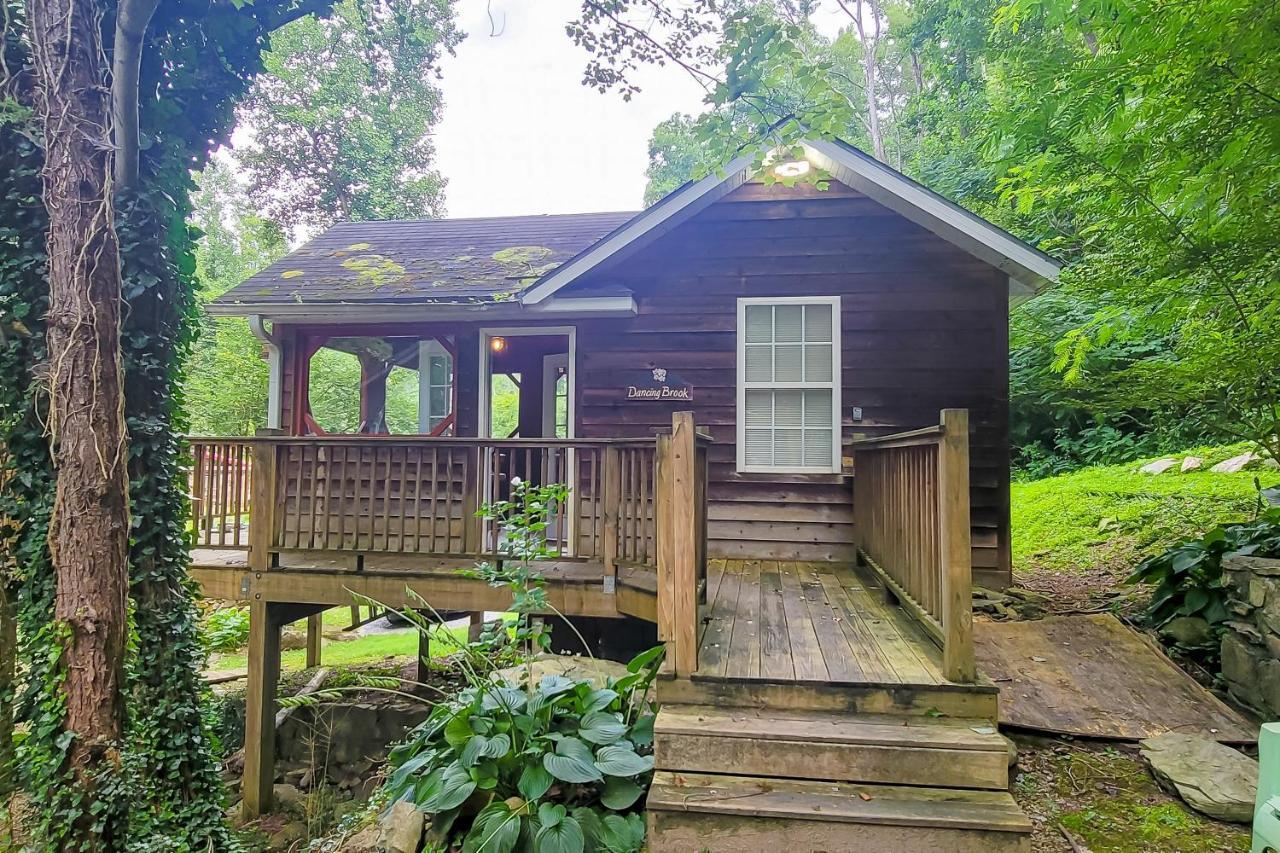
(422, 312)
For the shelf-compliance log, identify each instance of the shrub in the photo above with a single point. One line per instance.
(226, 629)
(1188, 577)
(550, 766)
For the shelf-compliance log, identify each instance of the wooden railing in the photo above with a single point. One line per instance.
(632, 503)
(417, 495)
(219, 486)
(911, 519)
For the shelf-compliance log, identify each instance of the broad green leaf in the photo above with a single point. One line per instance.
(572, 762)
(646, 658)
(598, 700)
(458, 730)
(534, 781)
(619, 793)
(601, 727)
(565, 836)
(620, 761)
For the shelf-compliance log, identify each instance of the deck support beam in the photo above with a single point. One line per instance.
(260, 709)
(265, 621)
(315, 635)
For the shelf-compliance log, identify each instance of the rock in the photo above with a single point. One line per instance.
(1235, 463)
(570, 666)
(1189, 631)
(286, 796)
(1213, 779)
(1191, 463)
(1159, 466)
(287, 836)
(401, 828)
(364, 841)
(1239, 660)
(1257, 592)
(292, 639)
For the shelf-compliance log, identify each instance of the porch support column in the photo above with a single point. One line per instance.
(260, 709)
(373, 394)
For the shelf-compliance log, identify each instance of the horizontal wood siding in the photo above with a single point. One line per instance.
(924, 328)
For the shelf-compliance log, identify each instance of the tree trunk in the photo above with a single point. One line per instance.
(88, 536)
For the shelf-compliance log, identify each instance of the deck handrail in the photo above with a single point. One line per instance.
(634, 503)
(912, 523)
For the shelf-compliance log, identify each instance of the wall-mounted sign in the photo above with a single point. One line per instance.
(658, 384)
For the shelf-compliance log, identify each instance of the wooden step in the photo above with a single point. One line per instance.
(829, 746)
(968, 701)
(688, 812)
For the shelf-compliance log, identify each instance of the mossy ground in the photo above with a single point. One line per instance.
(1104, 797)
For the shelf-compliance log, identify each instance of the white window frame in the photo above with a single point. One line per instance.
(834, 386)
(427, 350)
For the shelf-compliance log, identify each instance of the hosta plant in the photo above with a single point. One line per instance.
(1188, 577)
(554, 767)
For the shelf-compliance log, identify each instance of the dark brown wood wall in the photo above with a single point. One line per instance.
(924, 327)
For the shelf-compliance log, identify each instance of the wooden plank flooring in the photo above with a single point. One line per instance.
(779, 621)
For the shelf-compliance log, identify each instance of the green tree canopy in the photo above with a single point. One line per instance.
(341, 120)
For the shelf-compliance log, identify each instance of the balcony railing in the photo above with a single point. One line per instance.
(403, 503)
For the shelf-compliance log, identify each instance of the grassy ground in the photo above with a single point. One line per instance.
(347, 650)
(1111, 517)
(1103, 798)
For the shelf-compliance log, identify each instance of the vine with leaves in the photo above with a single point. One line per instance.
(167, 777)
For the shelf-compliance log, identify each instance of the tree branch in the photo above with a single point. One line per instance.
(132, 18)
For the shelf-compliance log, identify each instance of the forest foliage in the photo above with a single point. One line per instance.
(1137, 142)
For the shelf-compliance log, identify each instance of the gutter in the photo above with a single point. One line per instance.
(275, 368)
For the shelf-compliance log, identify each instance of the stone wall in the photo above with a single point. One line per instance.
(1251, 644)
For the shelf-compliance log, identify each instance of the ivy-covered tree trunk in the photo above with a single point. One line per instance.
(88, 535)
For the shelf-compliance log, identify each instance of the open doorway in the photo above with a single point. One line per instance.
(526, 388)
(526, 392)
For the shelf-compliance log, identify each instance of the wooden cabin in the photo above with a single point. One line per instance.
(781, 414)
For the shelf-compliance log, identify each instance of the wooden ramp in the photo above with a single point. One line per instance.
(1090, 675)
(819, 719)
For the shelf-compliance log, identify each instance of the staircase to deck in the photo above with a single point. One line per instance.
(820, 719)
(747, 779)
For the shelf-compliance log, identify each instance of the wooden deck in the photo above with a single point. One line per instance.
(809, 622)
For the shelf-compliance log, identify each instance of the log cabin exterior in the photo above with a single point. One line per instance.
(747, 389)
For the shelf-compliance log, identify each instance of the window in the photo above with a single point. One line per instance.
(435, 377)
(789, 384)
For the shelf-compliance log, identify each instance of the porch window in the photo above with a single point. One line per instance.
(435, 396)
(789, 384)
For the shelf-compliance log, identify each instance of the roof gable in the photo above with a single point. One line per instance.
(1029, 269)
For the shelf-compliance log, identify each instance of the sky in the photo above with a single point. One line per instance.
(522, 135)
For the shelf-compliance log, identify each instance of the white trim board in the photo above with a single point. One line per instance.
(1028, 268)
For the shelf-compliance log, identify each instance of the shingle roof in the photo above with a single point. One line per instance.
(445, 260)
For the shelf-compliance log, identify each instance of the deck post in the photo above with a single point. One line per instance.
(260, 709)
(955, 547)
(682, 528)
(664, 607)
(315, 627)
(472, 524)
(262, 502)
(611, 497)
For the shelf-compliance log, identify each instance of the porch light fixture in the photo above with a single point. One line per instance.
(792, 168)
(498, 344)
